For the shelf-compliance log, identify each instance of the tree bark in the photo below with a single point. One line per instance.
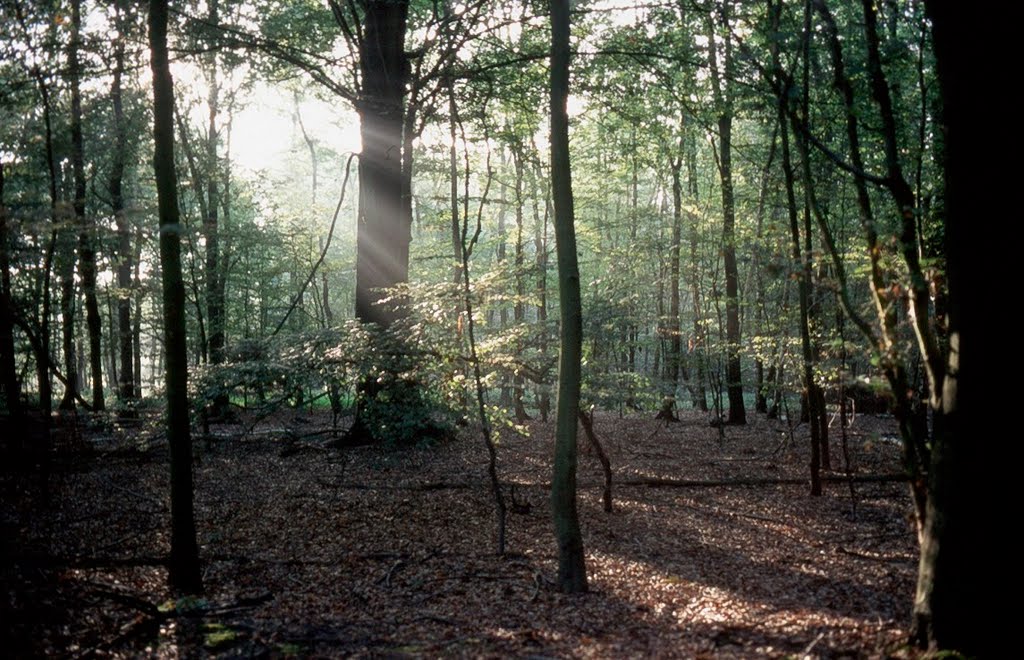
(721, 83)
(183, 567)
(803, 259)
(215, 321)
(86, 251)
(572, 572)
(126, 383)
(540, 243)
(382, 233)
(519, 307)
(8, 365)
(674, 358)
(956, 564)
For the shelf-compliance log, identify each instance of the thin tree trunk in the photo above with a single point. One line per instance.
(183, 566)
(8, 366)
(697, 347)
(86, 251)
(137, 312)
(213, 268)
(572, 572)
(540, 242)
(674, 359)
(802, 258)
(519, 308)
(127, 378)
(721, 83)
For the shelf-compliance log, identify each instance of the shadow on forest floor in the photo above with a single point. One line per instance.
(365, 551)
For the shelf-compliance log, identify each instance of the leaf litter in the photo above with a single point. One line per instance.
(371, 552)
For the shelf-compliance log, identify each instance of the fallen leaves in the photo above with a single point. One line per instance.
(371, 552)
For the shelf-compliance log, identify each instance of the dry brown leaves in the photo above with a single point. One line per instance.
(369, 552)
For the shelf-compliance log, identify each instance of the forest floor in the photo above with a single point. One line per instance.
(391, 553)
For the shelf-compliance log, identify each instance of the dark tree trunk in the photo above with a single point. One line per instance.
(137, 312)
(383, 231)
(126, 374)
(383, 228)
(540, 242)
(803, 259)
(721, 83)
(214, 277)
(42, 344)
(760, 396)
(86, 251)
(519, 308)
(696, 349)
(572, 571)
(674, 358)
(956, 565)
(183, 567)
(8, 366)
(65, 266)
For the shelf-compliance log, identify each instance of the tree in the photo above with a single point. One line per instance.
(183, 567)
(954, 574)
(572, 571)
(8, 368)
(800, 258)
(383, 231)
(126, 372)
(86, 250)
(722, 84)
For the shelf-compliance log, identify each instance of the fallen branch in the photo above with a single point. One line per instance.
(863, 555)
(660, 482)
(587, 421)
(391, 571)
(46, 561)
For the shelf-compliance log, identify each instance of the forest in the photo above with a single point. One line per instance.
(396, 328)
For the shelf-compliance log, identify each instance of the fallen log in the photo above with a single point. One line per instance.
(649, 482)
(661, 482)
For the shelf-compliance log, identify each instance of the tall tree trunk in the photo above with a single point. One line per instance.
(65, 266)
(453, 165)
(183, 567)
(803, 259)
(572, 571)
(956, 565)
(42, 344)
(383, 227)
(382, 234)
(760, 397)
(137, 311)
(540, 243)
(721, 84)
(519, 308)
(8, 365)
(698, 346)
(215, 321)
(86, 251)
(505, 398)
(126, 375)
(674, 359)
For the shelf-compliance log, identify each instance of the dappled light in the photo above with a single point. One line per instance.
(492, 329)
